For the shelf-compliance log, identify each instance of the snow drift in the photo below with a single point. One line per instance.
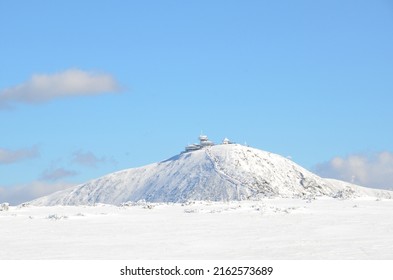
(216, 173)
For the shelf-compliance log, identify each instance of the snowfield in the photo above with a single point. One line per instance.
(278, 228)
(263, 206)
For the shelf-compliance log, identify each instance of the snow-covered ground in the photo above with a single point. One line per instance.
(278, 228)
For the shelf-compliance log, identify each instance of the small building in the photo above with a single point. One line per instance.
(226, 141)
(192, 147)
(203, 142)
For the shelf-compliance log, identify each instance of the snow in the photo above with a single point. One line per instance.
(4, 206)
(218, 173)
(220, 202)
(278, 228)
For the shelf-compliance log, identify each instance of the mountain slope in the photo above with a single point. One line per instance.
(221, 172)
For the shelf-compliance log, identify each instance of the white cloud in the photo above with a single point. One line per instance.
(89, 159)
(374, 170)
(42, 88)
(12, 156)
(54, 174)
(23, 193)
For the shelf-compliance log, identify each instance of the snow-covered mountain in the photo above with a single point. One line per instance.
(217, 173)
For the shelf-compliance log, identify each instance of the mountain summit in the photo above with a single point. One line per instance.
(209, 172)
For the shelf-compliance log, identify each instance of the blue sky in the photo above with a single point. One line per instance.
(91, 87)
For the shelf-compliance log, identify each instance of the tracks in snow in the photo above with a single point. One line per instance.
(221, 171)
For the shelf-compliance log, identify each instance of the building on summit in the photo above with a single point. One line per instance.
(204, 142)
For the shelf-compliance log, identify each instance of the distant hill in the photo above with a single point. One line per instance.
(216, 173)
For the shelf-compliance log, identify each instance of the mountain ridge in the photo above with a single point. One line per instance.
(216, 173)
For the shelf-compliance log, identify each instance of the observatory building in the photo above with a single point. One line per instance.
(204, 142)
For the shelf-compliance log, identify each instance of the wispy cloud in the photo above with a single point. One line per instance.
(89, 159)
(42, 87)
(374, 170)
(54, 174)
(22, 193)
(12, 156)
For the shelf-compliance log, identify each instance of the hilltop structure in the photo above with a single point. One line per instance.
(204, 142)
